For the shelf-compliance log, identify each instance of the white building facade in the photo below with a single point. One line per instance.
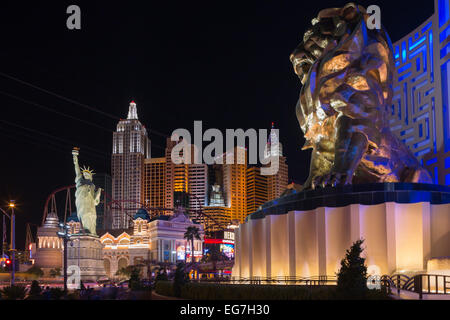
(131, 146)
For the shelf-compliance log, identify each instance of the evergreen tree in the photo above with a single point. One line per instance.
(352, 277)
(135, 279)
(180, 279)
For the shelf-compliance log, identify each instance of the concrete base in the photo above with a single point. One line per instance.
(85, 251)
(398, 238)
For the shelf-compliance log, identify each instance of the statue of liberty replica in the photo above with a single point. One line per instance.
(86, 197)
(85, 251)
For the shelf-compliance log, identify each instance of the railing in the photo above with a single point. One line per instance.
(420, 284)
(286, 280)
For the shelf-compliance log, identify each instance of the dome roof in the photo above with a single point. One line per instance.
(51, 220)
(143, 214)
(73, 217)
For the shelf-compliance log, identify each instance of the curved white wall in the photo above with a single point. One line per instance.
(398, 237)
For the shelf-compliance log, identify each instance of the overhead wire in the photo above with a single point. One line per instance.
(53, 110)
(53, 137)
(33, 140)
(109, 115)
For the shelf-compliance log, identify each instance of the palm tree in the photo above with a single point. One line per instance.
(192, 233)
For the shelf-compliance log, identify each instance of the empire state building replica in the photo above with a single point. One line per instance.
(131, 146)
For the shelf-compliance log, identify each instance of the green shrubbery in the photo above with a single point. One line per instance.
(35, 271)
(180, 279)
(352, 276)
(164, 287)
(13, 293)
(214, 291)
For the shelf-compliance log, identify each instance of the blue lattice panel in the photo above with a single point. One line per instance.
(420, 111)
(412, 116)
(443, 52)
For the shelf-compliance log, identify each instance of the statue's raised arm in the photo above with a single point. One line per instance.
(75, 153)
(86, 198)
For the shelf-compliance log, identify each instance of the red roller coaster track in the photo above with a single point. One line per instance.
(51, 206)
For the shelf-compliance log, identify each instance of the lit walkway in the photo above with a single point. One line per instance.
(156, 296)
(408, 295)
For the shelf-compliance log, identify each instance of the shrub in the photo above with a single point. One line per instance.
(164, 288)
(55, 272)
(214, 291)
(352, 277)
(35, 289)
(56, 293)
(13, 293)
(73, 296)
(135, 280)
(162, 276)
(180, 279)
(36, 271)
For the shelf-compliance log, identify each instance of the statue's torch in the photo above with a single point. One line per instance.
(75, 151)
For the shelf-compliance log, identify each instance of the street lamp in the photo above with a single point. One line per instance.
(12, 217)
(12, 205)
(65, 235)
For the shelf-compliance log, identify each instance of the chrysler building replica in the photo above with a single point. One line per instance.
(131, 146)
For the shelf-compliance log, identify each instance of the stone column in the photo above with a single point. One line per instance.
(279, 245)
(258, 254)
(237, 253)
(337, 229)
(306, 244)
(268, 245)
(321, 240)
(440, 226)
(291, 242)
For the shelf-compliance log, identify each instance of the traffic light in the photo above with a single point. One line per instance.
(8, 264)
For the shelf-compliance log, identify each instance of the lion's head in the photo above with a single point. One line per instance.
(327, 31)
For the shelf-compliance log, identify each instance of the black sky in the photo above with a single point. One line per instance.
(223, 62)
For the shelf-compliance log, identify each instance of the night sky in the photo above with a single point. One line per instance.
(225, 63)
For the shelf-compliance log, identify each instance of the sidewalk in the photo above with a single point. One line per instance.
(408, 295)
(156, 296)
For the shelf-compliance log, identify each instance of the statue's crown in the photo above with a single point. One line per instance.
(89, 170)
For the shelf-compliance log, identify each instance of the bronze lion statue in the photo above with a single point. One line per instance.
(346, 73)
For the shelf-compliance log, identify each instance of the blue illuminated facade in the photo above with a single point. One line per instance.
(420, 114)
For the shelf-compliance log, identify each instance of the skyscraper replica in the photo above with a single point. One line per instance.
(154, 182)
(234, 182)
(277, 181)
(131, 147)
(257, 189)
(216, 209)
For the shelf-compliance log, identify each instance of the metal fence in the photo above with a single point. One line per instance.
(282, 280)
(420, 283)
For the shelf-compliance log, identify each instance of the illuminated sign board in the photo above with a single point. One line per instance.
(228, 235)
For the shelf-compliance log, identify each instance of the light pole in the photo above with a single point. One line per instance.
(12, 217)
(65, 235)
(12, 204)
(4, 248)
